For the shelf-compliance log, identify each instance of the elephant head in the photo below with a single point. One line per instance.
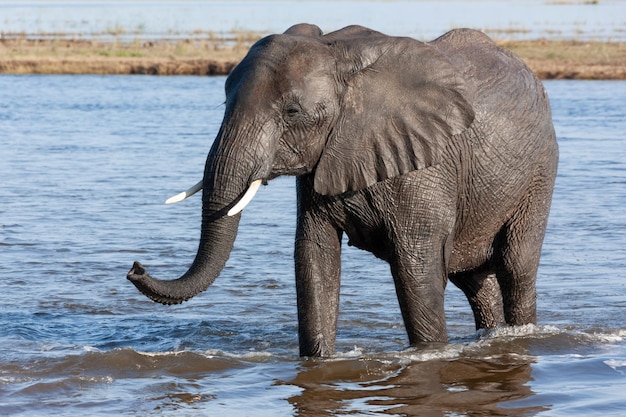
(350, 108)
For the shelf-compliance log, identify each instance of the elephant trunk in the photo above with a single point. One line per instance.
(227, 179)
(216, 243)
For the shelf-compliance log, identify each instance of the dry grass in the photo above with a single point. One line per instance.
(165, 57)
(573, 59)
(207, 54)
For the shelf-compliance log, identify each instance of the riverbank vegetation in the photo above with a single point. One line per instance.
(207, 54)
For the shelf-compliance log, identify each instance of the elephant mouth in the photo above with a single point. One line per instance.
(235, 209)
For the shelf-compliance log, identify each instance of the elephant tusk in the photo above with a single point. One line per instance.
(181, 196)
(247, 197)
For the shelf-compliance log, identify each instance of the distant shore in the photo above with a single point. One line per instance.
(550, 59)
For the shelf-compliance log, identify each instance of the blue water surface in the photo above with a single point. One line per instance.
(85, 165)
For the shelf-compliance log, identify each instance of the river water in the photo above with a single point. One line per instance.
(86, 162)
(85, 165)
(422, 19)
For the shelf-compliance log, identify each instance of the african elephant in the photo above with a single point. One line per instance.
(438, 157)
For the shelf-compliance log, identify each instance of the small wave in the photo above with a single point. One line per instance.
(616, 336)
(185, 361)
(532, 331)
(247, 356)
(597, 336)
(513, 343)
(213, 356)
(356, 352)
(616, 365)
(105, 365)
(447, 352)
(517, 331)
(13, 379)
(96, 379)
(412, 354)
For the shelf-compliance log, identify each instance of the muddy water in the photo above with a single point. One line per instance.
(85, 165)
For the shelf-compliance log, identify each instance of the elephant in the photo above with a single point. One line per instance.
(438, 157)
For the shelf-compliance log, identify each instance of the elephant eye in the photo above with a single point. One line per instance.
(292, 110)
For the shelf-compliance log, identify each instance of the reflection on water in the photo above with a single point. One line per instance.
(413, 388)
(85, 166)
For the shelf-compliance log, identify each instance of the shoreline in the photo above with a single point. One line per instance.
(549, 59)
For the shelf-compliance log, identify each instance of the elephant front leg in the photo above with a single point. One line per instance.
(420, 287)
(317, 257)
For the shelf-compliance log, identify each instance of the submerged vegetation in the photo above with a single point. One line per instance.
(207, 53)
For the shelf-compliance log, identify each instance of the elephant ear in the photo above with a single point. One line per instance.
(402, 104)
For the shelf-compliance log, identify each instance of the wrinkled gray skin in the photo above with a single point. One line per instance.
(437, 157)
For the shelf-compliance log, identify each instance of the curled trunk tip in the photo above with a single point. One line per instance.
(148, 285)
(216, 242)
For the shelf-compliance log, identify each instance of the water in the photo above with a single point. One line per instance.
(424, 19)
(85, 165)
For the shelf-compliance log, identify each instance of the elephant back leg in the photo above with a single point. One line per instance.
(483, 293)
(517, 249)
